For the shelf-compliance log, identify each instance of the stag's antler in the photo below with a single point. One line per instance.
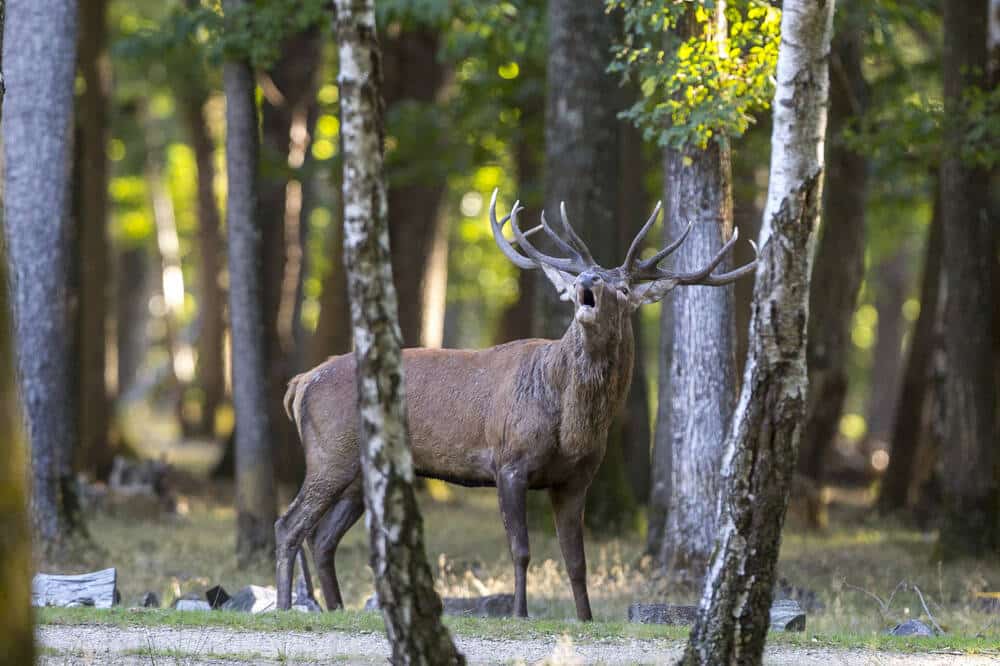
(647, 270)
(578, 261)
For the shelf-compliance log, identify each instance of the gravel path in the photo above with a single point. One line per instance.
(94, 644)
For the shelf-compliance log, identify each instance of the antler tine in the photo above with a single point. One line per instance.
(577, 242)
(733, 275)
(699, 275)
(516, 257)
(557, 239)
(573, 265)
(636, 245)
(650, 264)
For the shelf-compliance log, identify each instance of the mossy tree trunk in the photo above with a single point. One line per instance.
(759, 458)
(15, 538)
(255, 496)
(403, 580)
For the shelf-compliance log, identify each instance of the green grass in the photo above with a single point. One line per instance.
(468, 551)
(497, 629)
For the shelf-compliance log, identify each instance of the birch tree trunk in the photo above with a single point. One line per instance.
(840, 257)
(403, 580)
(15, 555)
(759, 459)
(971, 494)
(255, 497)
(39, 61)
(94, 453)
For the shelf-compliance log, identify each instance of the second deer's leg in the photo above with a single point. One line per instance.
(567, 504)
(324, 541)
(512, 487)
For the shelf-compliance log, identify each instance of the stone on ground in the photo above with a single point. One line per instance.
(911, 628)
(97, 588)
(786, 614)
(253, 599)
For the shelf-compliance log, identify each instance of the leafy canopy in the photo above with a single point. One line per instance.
(697, 87)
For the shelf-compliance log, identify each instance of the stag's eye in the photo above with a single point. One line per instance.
(623, 290)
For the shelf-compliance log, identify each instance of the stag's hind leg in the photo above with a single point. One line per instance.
(567, 504)
(324, 540)
(314, 498)
(512, 487)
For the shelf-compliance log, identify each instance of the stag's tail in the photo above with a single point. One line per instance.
(293, 401)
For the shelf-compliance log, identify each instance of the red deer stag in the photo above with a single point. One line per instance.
(529, 414)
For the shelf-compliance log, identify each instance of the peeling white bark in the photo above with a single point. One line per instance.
(762, 444)
(410, 606)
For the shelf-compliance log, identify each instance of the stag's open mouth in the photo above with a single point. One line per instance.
(587, 297)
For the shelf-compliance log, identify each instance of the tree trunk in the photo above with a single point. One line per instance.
(759, 459)
(211, 304)
(971, 526)
(698, 189)
(255, 497)
(913, 397)
(39, 61)
(132, 313)
(581, 150)
(287, 120)
(94, 453)
(413, 74)
(517, 321)
(634, 421)
(750, 162)
(403, 580)
(891, 283)
(15, 557)
(333, 331)
(840, 260)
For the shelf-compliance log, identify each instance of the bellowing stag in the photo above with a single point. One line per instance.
(529, 414)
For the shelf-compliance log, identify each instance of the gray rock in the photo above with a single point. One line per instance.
(911, 628)
(192, 605)
(253, 599)
(150, 600)
(217, 596)
(787, 615)
(807, 598)
(662, 614)
(491, 605)
(97, 588)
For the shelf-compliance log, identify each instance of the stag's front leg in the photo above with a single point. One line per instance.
(567, 504)
(512, 487)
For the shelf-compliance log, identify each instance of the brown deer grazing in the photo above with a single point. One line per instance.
(529, 414)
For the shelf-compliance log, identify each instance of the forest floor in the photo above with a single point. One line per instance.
(843, 568)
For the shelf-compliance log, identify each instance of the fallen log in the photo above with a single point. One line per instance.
(97, 588)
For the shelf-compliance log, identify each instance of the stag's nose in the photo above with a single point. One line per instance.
(587, 281)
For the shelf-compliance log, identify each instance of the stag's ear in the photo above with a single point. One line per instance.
(650, 292)
(562, 281)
